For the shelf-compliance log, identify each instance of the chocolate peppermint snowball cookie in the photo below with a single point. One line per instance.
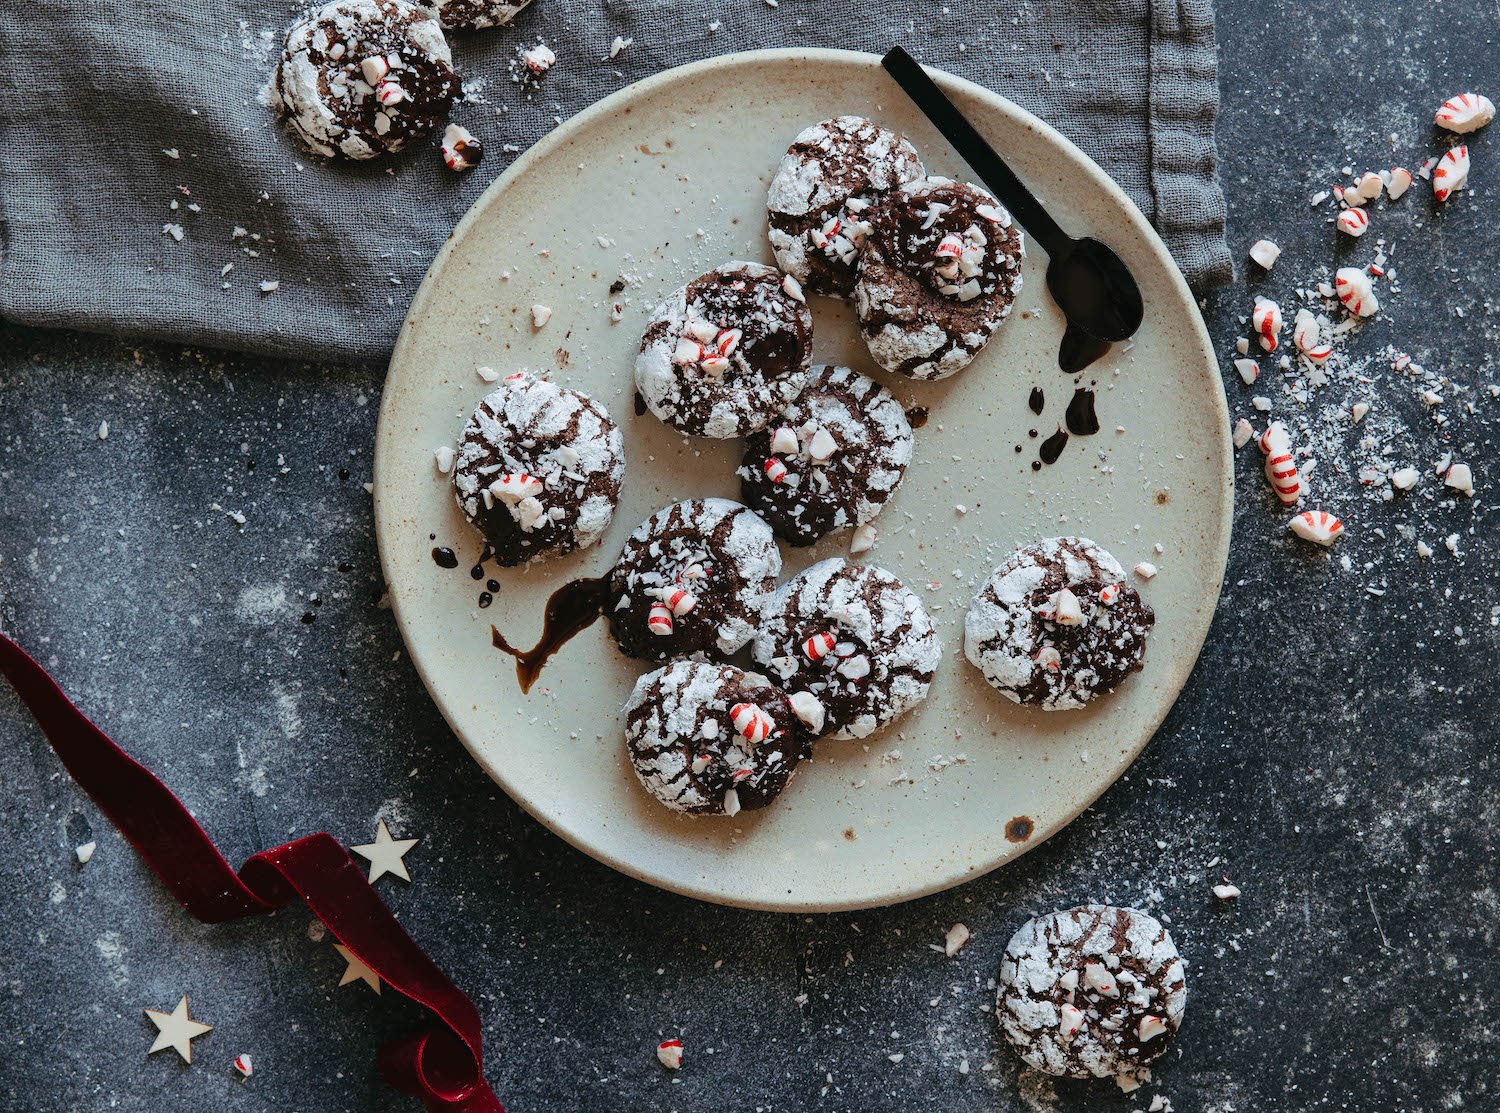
(1057, 625)
(850, 644)
(817, 204)
(940, 271)
(726, 352)
(359, 78)
(538, 469)
(1095, 991)
(692, 578)
(711, 739)
(828, 461)
(473, 15)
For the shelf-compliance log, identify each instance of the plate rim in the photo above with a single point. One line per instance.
(561, 135)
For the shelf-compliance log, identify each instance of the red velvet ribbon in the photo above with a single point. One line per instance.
(443, 1066)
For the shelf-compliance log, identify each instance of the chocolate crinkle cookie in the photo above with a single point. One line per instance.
(828, 461)
(940, 271)
(359, 78)
(538, 469)
(723, 354)
(692, 578)
(1091, 992)
(851, 645)
(711, 739)
(819, 200)
(1056, 625)
(473, 15)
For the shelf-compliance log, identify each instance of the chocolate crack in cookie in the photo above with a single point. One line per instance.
(940, 272)
(711, 739)
(1095, 991)
(723, 354)
(1057, 625)
(538, 469)
(359, 78)
(828, 461)
(850, 644)
(692, 578)
(819, 199)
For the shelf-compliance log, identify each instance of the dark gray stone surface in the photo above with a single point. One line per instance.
(1334, 752)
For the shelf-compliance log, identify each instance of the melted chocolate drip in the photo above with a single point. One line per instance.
(444, 557)
(916, 417)
(640, 405)
(1037, 400)
(1082, 421)
(1052, 447)
(1078, 350)
(571, 609)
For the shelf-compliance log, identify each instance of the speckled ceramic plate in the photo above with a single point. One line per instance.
(656, 184)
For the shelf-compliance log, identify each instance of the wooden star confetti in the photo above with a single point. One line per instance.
(385, 854)
(176, 1030)
(356, 971)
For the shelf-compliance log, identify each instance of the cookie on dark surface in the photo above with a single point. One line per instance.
(830, 460)
(538, 469)
(474, 15)
(360, 78)
(723, 354)
(711, 739)
(851, 646)
(692, 578)
(1056, 625)
(1091, 992)
(817, 204)
(939, 273)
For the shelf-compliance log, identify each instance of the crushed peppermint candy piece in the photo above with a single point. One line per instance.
(1226, 891)
(856, 667)
(1150, 1027)
(1265, 253)
(1249, 370)
(1243, 431)
(1367, 186)
(488, 374)
(731, 802)
(822, 446)
(751, 721)
(809, 709)
(1070, 1020)
(85, 853)
(956, 939)
(1307, 336)
(775, 470)
(1356, 292)
(539, 58)
(1461, 478)
(244, 1066)
(1064, 609)
(443, 459)
(784, 442)
(1098, 979)
(1146, 570)
(618, 46)
(793, 288)
(669, 1052)
(1048, 657)
(374, 69)
(1265, 319)
(659, 621)
(1399, 183)
(1465, 113)
(1354, 222)
(1109, 594)
(1317, 526)
(1358, 411)
(819, 645)
(1404, 479)
(511, 487)
(540, 315)
(1281, 466)
(1452, 172)
(461, 151)
(863, 539)
(390, 93)
(679, 600)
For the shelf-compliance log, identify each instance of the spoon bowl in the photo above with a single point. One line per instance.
(1095, 291)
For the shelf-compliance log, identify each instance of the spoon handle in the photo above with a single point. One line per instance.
(974, 150)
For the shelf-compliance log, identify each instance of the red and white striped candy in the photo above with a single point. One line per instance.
(1048, 657)
(1110, 593)
(669, 1052)
(512, 487)
(775, 470)
(243, 1064)
(740, 774)
(374, 69)
(1281, 467)
(1070, 1020)
(950, 246)
(1353, 222)
(751, 721)
(516, 377)
(687, 351)
(679, 600)
(1249, 370)
(660, 619)
(1465, 113)
(1149, 1028)
(1367, 186)
(1306, 335)
(714, 365)
(1356, 292)
(389, 93)
(1400, 182)
(1266, 320)
(819, 646)
(1452, 172)
(1317, 526)
(728, 340)
(784, 441)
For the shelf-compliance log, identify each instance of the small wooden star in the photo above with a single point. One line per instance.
(356, 971)
(385, 854)
(176, 1030)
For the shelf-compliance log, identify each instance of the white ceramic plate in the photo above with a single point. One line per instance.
(658, 183)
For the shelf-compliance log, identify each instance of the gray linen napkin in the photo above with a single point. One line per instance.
(97, 98)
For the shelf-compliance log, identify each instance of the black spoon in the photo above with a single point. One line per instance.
(1089, 282)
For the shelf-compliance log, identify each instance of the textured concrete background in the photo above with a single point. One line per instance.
(1335, 750)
